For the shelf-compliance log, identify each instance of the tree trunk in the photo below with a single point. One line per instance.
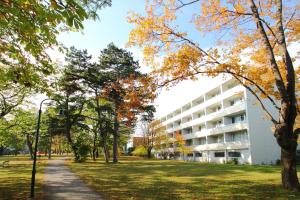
(97, 153)
(115, 139)
(94, 146)
(149, 152)
(106, 153)
(115, 148)
(29, 145)
(73, 146)
(287, 140)
(1, 150)
(50, 146)
(288, 171)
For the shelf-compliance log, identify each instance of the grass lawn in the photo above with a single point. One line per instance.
(135, 178)
(15, 179)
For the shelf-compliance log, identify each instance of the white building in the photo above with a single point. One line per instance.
(223, 123)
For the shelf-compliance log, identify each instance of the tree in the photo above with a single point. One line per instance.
(161, 140)
(93, 78)
(153, 133)
(127, 88)
(19, 129)
(180, 144)
(70, 99)
(28, 29)
(257, 30)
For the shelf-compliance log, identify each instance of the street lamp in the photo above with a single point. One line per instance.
(35, 148)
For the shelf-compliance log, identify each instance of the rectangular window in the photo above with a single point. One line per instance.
(234, 154)
(189, 155)
(242, 117)
(231, 103)
(232, 120)
(220, 139)
(198, 154)
(219, 154)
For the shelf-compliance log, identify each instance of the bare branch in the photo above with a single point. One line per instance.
(278, 78)
(258, 99)
(185, 4)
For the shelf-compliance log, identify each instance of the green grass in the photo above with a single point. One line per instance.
(15, 179)
(135, 178)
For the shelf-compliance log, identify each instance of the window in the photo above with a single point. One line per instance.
(189, 155)
(237, 136)
(231, 103)
(232, 120)
(218, 124)
(220, 139)
(242, 117)
(219, 154)
(198, 154)
(200, 128)
(234, 154)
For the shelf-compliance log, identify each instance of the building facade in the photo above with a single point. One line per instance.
(224, 123)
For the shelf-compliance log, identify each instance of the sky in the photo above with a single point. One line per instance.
(113, 27)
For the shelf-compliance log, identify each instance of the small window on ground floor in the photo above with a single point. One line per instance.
(190, 155)
(234, 154)
(219, 154)
(198, 154)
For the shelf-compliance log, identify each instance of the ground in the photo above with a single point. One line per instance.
(62, 184)
(135, 178)
(15, 179)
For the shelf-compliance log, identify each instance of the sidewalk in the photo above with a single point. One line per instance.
(60, 183)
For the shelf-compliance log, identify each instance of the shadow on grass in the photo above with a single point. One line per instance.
(16, 178)
(153, 179)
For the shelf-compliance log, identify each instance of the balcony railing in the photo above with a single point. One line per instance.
(228, 128)
(223, 146)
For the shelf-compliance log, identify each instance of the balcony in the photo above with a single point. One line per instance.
(207, 103)
(228, 128)
(223, 146)
(238, 145)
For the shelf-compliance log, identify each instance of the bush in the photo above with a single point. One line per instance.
(233, 161)
(81, 149)
(140, 151)
(83, 152)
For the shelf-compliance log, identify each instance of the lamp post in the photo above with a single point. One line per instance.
(35, 149)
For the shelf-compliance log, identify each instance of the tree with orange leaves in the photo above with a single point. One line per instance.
(118, 89)
(129, 90)
(258, 30)
(181, 144)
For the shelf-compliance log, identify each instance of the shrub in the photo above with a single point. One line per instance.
(83, 152)
(140, 151)
(233, 161)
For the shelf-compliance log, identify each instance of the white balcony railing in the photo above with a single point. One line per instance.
(207, 103)
(228, 128)
(223, 146)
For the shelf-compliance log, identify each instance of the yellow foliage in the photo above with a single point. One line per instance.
(175, 57)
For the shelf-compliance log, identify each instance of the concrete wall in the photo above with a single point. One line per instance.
(263, 146)
(245, 156)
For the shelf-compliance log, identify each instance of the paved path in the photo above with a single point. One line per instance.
(62, 184)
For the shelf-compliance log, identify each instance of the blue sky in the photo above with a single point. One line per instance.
(113, 27)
